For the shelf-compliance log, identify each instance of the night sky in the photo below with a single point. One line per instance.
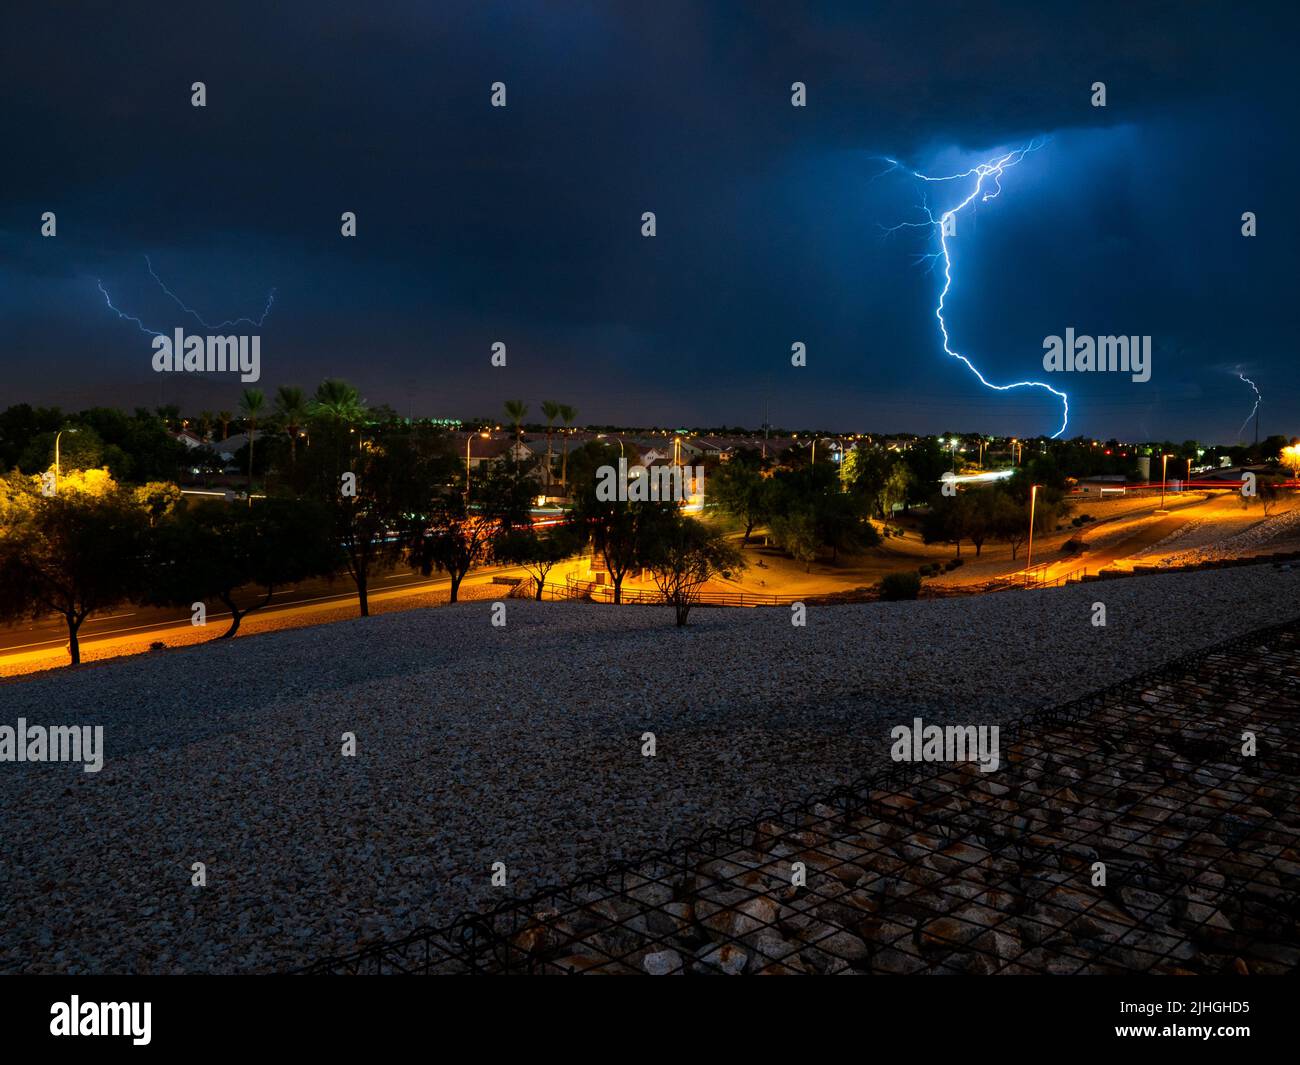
(522, 224)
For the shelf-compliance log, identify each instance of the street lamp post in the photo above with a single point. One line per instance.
(56, 456)
(468, 441)
(1164, 467)
(1029, 558)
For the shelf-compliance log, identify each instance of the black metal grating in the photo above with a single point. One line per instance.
(939, 868)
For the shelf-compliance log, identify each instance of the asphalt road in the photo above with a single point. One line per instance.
(52, 632)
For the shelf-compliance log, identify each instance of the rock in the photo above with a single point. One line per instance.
(663, 963)
(727, 959)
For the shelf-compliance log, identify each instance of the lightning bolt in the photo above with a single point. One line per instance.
(255, 322)
(987, 186)
(1258, 398)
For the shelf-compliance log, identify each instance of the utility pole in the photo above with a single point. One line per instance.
(766, 416)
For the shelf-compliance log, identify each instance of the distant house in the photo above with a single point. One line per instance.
(712, 447)
(231, 445)
(482, 451)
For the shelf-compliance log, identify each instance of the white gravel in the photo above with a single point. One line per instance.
(519, 744)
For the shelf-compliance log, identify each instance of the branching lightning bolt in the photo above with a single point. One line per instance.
(988, 186)
(1258, 398)
(255, 322)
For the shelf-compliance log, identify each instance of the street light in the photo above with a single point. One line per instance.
(469, 440)
(56, 456)
(1164, 467)
(1029, 558)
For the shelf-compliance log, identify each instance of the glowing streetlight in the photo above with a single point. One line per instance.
(468, 441)
(1029, 557)
(1164, 466)
(56, 456)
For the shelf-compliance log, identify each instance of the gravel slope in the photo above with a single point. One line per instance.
(518, 744)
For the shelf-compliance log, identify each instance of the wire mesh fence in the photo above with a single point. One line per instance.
(1126, 831)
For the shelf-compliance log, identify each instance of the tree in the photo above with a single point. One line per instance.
(212, 550)
(338, 402)
(1010, 518)
(567, 414)
(251, 403)
(451, 538)
(374, 498)
(1266, 493)
(796, 533)
(941, 523)
(225, 418)
(977, 516)
(895, 491)
(158, 499)
(516, 412)
(71, 554)
(838, 520)
(741, 490)
(552, 411)
(619, 530)
(291, 409)
(927, 460)
(586, 461)
(455, 533)
(1290, 458)
(685, 553)
(21, 423)
(535, 552)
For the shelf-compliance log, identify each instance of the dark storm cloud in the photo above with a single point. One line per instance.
(522, 224)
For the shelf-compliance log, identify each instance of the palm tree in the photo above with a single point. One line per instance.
(567, 414)
(515, 412)
(251, 403)
(225, 418)
(291, 409)
(337, 400)
(206, 421)
(552, 411)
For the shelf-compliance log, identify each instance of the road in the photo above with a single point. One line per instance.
(51, 632)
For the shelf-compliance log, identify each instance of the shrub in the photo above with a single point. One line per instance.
(901, 585)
